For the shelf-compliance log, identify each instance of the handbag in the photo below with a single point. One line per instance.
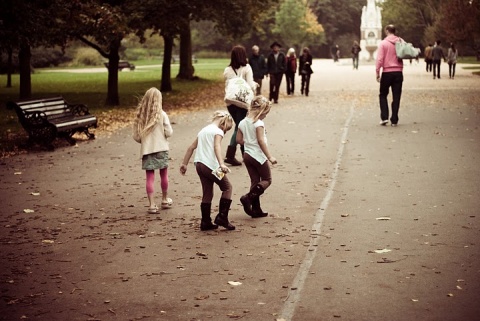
(238, 92)
(405, 50)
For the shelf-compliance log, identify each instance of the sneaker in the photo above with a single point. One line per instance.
(394, 125)
(383, 122)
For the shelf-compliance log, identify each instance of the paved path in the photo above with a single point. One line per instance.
(344, 188)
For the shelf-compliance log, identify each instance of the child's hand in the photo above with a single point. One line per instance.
(224, 168)
(273, 160)
(183, 169)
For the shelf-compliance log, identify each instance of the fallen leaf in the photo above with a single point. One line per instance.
(383, 218)
(27, 210)
(48, 241)
(382, 251)
(234, 283)
(35, 194)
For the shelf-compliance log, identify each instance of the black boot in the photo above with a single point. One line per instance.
(247, 199)
(206, 223)
(222, 217)
(256, 209)
(230, 158)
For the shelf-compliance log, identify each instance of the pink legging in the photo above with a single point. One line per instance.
(151, 180)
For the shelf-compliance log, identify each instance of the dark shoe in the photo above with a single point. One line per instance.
(230, 158)
(206, 223)
(222, 217)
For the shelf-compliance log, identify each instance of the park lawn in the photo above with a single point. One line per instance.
(89, 86)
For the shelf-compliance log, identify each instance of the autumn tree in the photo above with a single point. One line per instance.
(340, 19)
(459, 23)
(21, 30)
(296, 24)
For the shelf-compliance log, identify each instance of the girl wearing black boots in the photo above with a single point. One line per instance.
(252, 135)
(211, 169)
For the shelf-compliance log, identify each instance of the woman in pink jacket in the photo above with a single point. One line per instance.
(391, 76)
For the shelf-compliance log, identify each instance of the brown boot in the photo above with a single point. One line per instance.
(230, 158)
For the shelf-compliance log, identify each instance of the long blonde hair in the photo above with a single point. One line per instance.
(260, 106)
(148, 114)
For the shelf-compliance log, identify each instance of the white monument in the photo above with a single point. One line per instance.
(370, 30)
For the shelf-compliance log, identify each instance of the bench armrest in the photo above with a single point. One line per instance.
(79, 109)
(36, 118)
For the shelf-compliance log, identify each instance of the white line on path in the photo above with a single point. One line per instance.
(297, 285)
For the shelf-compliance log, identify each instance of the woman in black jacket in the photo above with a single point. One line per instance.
(305, 70)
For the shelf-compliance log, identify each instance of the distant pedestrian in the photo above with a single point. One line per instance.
(259, 67)
(391, 76)
(238, 67)
(252, 134)
(335, 51)
(291, 70)
(355, 51)
(277, 65)
(305, 70)
(437, 55)
(452, 60)
(151, 128)
(211, 169)
(428, 57)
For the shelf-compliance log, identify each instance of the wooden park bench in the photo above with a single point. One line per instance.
(123, 64)
(46, 119)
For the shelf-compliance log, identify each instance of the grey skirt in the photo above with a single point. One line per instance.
(155, 161)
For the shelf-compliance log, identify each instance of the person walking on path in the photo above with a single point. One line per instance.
(391, 75)
(428, 57)
(355, 51)
(151, 128)
(291, 70)
(211, 170)
(238, 67)
(437, 55)
(276, 64)
(252, 134)
(305, 70)
(259, 67)
(452, 60)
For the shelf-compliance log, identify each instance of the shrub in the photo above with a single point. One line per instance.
(86, 56)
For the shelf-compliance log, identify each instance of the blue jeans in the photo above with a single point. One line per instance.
(394, 80)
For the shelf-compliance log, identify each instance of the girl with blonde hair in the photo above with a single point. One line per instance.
(211, 169)
(151, 128)
(251, 133)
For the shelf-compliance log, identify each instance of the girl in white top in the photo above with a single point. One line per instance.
(211, 169)
(151, 129)
(252, 135)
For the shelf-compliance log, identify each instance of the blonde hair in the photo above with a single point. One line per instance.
(291, 52)
(149, 113)
(260, 106)
(225, 120)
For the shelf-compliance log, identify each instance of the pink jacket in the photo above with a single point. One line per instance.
(386, 56)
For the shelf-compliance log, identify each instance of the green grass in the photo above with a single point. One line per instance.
(90, 88)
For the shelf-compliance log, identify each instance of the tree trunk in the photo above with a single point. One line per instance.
(166, 83)
(9, 67)
(186, 70)
(24, 56)
(113, 99)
